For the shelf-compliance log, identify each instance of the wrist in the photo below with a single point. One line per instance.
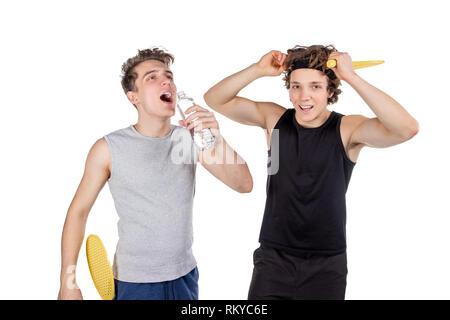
(68, 277)
(218, 140)
(351, 77)
(217, 145)
(257, 71)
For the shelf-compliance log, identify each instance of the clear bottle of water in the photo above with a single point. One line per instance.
(204, 139)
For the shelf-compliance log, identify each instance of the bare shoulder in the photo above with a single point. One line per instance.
(99, 155)
(348, 126)
(100, 148)
(272, 112)
(96, 173)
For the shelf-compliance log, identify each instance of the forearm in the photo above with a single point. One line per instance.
(72, 239)
(235, 169)
(390, 113)
(228, 166)
(228, 88)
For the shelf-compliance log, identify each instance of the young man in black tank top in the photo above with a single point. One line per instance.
(311, 157)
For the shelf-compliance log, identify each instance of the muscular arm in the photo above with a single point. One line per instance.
(392, 125)
(223, 96)
(94, 178)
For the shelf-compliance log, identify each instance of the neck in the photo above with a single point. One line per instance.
(152, 127)
(317, 122)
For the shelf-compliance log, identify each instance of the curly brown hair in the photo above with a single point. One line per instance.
(129, 76)
(314, 57)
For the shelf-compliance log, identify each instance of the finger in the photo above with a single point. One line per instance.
(198, 114)
(333, 57)
(281, 65)
(196, 121)
(335, 54)
(181, 123)
(206, 125)
(276, 57)
(202, 120)
(199, 121)
(280, 57)
(284, 61)
(336, 72)
(195, 108)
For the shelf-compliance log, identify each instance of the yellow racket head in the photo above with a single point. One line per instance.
(365, 64)
(100, 268)
(356, 64)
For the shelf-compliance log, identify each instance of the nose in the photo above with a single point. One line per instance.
(166, 82)
(305, 95)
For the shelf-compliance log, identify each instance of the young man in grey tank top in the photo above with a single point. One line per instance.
(150, 168)
(277, 273)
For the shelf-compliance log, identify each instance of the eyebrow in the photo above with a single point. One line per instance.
(312, 82)
(156, 70)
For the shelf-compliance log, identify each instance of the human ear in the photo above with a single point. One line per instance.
(132, 97)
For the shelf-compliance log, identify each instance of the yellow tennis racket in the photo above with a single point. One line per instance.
(100, 268)
(356, 64)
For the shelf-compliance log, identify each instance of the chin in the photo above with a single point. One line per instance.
(165, 115)
(168, 111)
(172, 112)
(306, 116)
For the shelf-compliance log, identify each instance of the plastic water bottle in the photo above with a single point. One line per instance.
(204, 139)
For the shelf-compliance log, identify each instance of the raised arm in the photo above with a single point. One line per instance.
(221, 161)
(392, 124)
(227, 165)
(223, 96)
(96, 173)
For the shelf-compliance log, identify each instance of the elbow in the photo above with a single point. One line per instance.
(411, 131)
(246, 187)
(415, 129)
(77, 213)
(207, 98)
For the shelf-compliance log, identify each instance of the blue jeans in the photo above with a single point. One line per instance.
(184, 288)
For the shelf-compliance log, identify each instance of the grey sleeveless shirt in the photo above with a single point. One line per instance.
(152, 183)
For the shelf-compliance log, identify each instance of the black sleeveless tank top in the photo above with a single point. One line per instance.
(309, 173)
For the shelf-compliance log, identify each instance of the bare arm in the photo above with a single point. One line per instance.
(223, 96)
(227, 165)
(94, 178)
(392, 125)
(221, 161)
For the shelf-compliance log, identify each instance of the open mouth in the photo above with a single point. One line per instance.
(166, 97)
(306, 108)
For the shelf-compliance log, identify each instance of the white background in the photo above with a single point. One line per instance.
(60, 92)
